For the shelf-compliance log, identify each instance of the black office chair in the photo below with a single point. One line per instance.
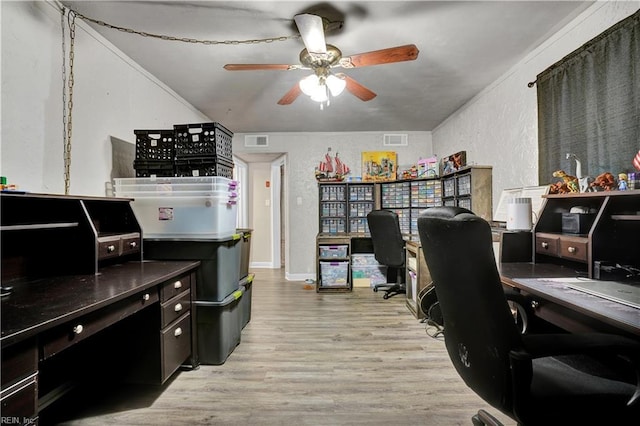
(388, 249)
(519, 374)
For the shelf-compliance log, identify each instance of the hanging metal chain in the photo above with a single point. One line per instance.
(64, 79)
(185, 39)
(67, 146)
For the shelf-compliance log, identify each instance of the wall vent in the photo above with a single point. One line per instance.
(396, 140)
(256, 140)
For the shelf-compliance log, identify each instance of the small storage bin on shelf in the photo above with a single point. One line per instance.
(366, 271)
(338, 251)
(334, 274)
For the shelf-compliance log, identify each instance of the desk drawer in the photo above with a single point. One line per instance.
(176, 345)
(131, 244)
(118, 245)
(20, 401)
(19, 361)
(174, 287)
(66, 335)
(547, 244)
(574, 248)
(173, 308)
(108, 247)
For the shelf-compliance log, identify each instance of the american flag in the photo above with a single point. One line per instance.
(636, 161)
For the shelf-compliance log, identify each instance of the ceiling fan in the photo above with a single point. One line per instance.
(322, 58)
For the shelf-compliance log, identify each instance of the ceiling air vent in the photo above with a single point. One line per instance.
(256, 140)
(396, 140)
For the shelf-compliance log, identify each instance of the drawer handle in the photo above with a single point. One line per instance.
(177, 332)
(178, 307)
(133, 244)
(545, 245)
(146, 297)
(78, 329)
(571, 249)
(177, 285)
(111, 249)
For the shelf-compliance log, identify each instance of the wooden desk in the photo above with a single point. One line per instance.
(418, 276)
(50, 317)
(569, 309)
(78, 303)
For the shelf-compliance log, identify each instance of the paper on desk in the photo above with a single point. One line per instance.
(624, 293)
(567, 280)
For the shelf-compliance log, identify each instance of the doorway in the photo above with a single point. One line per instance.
(269, 241)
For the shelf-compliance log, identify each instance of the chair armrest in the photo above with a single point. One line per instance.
(520, 306)
(545, 345)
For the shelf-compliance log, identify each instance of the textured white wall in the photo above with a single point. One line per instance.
(304, 152)
(112, 97)
(499, 127)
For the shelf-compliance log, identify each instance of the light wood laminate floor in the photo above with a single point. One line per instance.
(306, 359)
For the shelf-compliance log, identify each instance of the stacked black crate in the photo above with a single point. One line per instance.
(155, 153)
(203, 149)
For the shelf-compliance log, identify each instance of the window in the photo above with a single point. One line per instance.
(589, 105)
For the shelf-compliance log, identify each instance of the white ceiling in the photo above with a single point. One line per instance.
(464, 46)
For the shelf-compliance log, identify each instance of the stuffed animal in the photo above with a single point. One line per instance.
(558, 188)
(570, 181)
(604, 182)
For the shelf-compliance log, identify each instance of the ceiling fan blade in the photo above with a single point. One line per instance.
(254, 67)
(311, 30)
(357, 89)
(291, 95)
(408, 52)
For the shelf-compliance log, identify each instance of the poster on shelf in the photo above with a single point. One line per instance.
(454, 162)
(379, 166)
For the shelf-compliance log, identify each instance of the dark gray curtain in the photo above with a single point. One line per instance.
(589, 105)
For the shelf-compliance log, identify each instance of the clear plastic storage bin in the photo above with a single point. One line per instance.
(182, 186)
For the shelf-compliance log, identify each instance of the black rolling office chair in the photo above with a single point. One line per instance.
(388, 249)
(515, 373)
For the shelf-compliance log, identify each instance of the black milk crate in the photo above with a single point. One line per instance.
(155, 145)
(203, 140)
(154, 168)
(207, 166)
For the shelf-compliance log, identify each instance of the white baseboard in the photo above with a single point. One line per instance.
(262, 265)
(300, 277)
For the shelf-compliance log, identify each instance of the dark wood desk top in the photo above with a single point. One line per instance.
(592, 313)
(38, 305)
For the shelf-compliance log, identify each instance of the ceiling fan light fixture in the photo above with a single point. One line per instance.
(320, 95)
(335, 84)
(309, 85)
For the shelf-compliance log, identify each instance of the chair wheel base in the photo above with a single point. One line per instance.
(483, 418)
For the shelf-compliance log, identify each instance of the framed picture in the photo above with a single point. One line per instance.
(379, 166)
(453, 162)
